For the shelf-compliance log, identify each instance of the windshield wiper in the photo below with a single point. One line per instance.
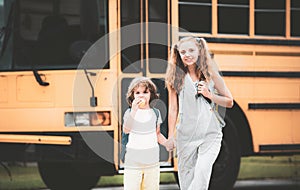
(39, 79)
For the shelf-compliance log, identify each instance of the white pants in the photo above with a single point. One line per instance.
(195, 164)
(142, 179)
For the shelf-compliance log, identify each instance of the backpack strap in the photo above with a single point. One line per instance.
(124, 142)
(156, 111)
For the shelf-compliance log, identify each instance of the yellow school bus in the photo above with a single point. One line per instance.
(65, 66)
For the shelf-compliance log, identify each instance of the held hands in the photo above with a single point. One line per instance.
(170, 144)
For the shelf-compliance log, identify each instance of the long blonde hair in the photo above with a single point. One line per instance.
(176, 70)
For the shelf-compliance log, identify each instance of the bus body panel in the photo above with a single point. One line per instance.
(266, 76)
(68, 92)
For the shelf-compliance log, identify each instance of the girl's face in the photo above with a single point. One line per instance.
(143, 94)
(189, 52)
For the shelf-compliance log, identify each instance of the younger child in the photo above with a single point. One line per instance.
(143, 125)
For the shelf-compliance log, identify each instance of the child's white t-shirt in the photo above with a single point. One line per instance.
(142, 148)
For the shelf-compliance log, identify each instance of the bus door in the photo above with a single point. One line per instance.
(147, 23)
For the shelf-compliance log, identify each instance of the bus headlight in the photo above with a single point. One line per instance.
(99, 118)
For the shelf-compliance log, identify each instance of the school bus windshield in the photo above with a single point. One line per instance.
(47, 35)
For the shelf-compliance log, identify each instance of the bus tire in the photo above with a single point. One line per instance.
(227, 165)
(68, 175)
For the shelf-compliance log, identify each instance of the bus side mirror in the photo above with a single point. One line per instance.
(77, 51)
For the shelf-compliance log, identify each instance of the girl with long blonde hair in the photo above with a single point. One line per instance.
(195, 90)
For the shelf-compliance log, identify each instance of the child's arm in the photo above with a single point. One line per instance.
(160, 137)
(129, 119)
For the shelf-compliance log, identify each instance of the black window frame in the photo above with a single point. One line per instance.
(204, 22)
(130, 56)
(295, 18)
(158, 52)
(264, 16)
(229, 26)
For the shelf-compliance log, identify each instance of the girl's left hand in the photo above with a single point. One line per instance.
(203, 89)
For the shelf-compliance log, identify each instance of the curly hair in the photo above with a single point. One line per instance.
(141, 81)
(176, 69)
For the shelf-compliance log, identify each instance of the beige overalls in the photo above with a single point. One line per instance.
(199, 136)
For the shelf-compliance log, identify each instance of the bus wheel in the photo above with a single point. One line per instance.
(68, 175)
(227, 165)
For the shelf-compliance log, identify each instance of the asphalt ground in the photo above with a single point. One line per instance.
(270, 184)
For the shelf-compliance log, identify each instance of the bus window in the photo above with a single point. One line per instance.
(1, 14)
(157, 13)
(200, 20)
(130, 56)
(295, 18)
(6, 7)
(233, 17)
(265, 15)
(1, 22)
(45, 30)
